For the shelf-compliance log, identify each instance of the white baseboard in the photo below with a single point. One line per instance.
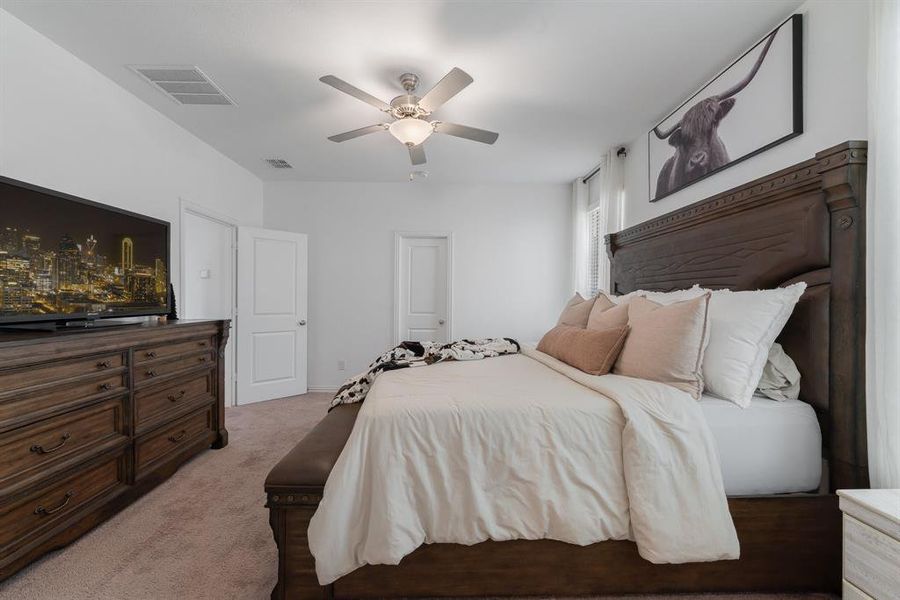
(322, 388)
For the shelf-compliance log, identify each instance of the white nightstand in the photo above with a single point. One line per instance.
(871, 544)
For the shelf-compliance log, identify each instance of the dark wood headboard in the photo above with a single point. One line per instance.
(804, 223)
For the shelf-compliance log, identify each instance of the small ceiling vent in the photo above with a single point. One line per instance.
(279, 163)
(185, 85)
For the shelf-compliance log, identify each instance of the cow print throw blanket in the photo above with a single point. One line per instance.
(415, 354)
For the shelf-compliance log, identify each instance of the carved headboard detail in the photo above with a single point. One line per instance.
(803, 223)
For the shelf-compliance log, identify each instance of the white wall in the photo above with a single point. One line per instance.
(835, 40)
(511, 260)
(65, 126)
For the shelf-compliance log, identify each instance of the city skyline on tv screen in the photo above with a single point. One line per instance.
(62, 257)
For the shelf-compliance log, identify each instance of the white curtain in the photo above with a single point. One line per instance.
(883, 246)
(606, 194)
(596, 210)
(580, 242)
(607, 190)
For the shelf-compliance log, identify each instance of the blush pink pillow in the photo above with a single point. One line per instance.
(578, 309)
(666, 343)
(605, 315)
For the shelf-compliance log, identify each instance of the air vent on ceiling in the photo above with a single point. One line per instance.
(279, 163)
(185, 85)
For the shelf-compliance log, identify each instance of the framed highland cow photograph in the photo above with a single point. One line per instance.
(754, 104)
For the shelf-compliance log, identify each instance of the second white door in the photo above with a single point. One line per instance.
(271, 314)
(423, 293)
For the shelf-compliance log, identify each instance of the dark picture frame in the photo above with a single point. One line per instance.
(692, 159)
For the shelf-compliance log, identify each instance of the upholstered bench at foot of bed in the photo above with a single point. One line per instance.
(293, 489)
(310, 462)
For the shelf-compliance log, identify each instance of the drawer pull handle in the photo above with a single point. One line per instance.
(105, 387)
(38, 449)
(177, 438)
(203, 344)
(202, 359)
(151, 354)
(104, 364)
(151, 373)
(41, 510)
(176, 397)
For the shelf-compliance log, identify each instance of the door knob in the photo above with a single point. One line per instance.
(301, 322)
(440, 321)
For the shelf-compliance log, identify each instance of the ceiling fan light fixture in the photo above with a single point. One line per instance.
(410, 127)
(411, 131)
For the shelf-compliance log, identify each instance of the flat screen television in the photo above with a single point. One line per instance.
(69, 261)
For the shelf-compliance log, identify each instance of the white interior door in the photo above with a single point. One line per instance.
(271, 323)
(423, 288)
(208, 278)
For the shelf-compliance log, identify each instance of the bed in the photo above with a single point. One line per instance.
(770, 447)
(804, 223)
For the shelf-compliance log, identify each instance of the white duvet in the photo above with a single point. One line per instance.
(522, 447)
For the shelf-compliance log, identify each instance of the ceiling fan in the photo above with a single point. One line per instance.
(410, 112)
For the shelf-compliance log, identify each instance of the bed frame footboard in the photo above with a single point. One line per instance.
(289, 518)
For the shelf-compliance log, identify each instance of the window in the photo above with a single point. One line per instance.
(596, 252)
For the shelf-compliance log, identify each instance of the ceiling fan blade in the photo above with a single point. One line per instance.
(349, 135)
(452, 84)
(417, 154)
(354, 91)
(469, 133)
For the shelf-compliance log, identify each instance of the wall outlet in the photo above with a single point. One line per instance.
(341, 365)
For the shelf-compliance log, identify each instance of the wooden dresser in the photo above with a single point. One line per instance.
(90, 420)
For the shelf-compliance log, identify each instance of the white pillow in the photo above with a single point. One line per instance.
(742, 328)
(780, 377)
(663, 298)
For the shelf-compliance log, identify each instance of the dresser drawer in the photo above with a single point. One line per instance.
(157, 447)
(149, 353)
(851, 592)
(150, 372)
(871, 559)
(34, 448)
(42, 376)
(26, 517)
(29, 406)
(153, 405)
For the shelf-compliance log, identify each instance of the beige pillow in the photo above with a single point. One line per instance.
(577, 311)
(605, 317)
(591, 351)
(666, 343)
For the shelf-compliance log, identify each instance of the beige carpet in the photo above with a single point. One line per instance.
(201, 535)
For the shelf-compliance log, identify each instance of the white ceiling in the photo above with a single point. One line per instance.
(560, 81)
